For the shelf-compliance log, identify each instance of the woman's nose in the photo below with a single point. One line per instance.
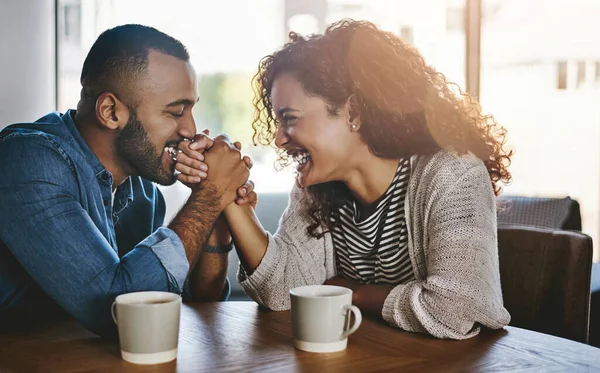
(281, 137)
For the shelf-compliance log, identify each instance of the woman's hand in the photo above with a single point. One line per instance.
(369, 298)
(246, 194)
(190, 159)
(344, 282)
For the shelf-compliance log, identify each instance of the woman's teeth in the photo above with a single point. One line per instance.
(301, 158)
(172, 152)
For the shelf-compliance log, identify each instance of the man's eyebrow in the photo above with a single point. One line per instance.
(183, 101)
(285, 110)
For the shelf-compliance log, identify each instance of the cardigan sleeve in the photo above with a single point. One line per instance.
(460, 288)
(293, 258)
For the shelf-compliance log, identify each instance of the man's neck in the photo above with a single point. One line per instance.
(102, 142)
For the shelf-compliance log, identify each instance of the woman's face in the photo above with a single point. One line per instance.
(319, 142)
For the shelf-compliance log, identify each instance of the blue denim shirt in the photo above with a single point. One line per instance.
(66, 245)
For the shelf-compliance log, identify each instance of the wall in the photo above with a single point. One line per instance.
(27, 60)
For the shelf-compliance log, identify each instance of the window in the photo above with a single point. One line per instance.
(304, 24)
(72, 22)
(532, 73)
(562, 75)
(455, 19)
(580, 73)
(406, 33)
(227, 38)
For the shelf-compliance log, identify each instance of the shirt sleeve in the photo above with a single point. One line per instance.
(43, 223)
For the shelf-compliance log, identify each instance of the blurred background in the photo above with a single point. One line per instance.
(534, 64)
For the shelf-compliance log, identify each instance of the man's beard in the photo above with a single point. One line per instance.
(134, 146)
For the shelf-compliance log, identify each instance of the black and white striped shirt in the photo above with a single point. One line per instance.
(374, 249)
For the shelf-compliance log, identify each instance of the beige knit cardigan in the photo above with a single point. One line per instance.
(452, 240)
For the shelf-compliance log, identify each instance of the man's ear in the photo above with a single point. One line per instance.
(352, 112)
(111, 112)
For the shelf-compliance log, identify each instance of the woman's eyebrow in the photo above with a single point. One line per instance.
(285, 110)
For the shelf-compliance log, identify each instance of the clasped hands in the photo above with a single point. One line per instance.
(217, 162)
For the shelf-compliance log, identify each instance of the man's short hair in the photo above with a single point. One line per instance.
(119, 58)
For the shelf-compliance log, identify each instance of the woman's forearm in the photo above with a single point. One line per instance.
(369, 298)
(249, 237)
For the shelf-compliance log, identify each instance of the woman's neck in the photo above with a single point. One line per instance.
(371, 178)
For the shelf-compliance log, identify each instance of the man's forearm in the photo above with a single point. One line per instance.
(220, 234)
(195, 221)
(207, 278)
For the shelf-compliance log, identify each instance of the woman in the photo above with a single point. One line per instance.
(396, 180)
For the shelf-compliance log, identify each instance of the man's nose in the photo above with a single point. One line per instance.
(187, 127)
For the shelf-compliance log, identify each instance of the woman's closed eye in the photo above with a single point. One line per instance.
(289, 120)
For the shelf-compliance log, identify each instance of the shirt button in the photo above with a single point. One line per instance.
(105, 202)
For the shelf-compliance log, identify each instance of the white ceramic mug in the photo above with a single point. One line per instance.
(321, 317)
(148, 324)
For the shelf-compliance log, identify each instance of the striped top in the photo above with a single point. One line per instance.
(374, 249)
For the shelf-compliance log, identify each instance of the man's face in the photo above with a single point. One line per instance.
(161, 119)
(136, 147)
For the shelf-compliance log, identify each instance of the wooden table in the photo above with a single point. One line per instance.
(240, 337)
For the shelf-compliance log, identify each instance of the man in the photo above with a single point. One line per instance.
(80, 219)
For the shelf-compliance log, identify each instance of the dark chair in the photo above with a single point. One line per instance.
(545, 276)
(595, 306)
(553, 213)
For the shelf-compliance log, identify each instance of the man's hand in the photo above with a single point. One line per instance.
(192, 169)
(228, 171)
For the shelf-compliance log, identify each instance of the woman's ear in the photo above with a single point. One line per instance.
(352, 113)
(111, 112)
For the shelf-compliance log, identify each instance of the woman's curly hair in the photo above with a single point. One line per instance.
(406, 107)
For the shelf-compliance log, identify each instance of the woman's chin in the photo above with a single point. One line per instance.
(306, 179)
(307, 176)
(303, 179)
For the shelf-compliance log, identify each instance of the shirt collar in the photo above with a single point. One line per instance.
(123, 196)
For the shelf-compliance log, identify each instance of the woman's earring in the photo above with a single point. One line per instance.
(353, 126)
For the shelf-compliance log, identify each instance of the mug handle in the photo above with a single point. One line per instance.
(357, 319)
(113, 308)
